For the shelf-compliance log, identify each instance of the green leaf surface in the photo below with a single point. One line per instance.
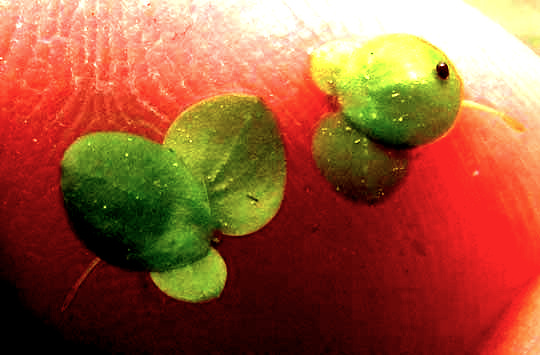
(198, 282)
(390, 90)
(233, 144)
(134, 203)
(356, 166)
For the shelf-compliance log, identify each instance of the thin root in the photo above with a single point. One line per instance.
(510, 121)
(71, 294)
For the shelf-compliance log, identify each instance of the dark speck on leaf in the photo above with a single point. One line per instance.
(253, 198)
(443, 71)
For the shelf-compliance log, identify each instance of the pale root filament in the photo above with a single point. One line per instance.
(78, 284)
(510, 121)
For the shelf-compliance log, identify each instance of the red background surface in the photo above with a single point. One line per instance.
(429, 270)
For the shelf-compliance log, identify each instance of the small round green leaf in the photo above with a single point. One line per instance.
(392, 89)
(200, 281)
(134, 203)
(355, 165)
(233, 144)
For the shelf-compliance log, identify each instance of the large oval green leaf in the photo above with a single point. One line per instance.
(200, 281)
(233, 144)
(134, 203)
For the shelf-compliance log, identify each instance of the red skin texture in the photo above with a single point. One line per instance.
(428, 270)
